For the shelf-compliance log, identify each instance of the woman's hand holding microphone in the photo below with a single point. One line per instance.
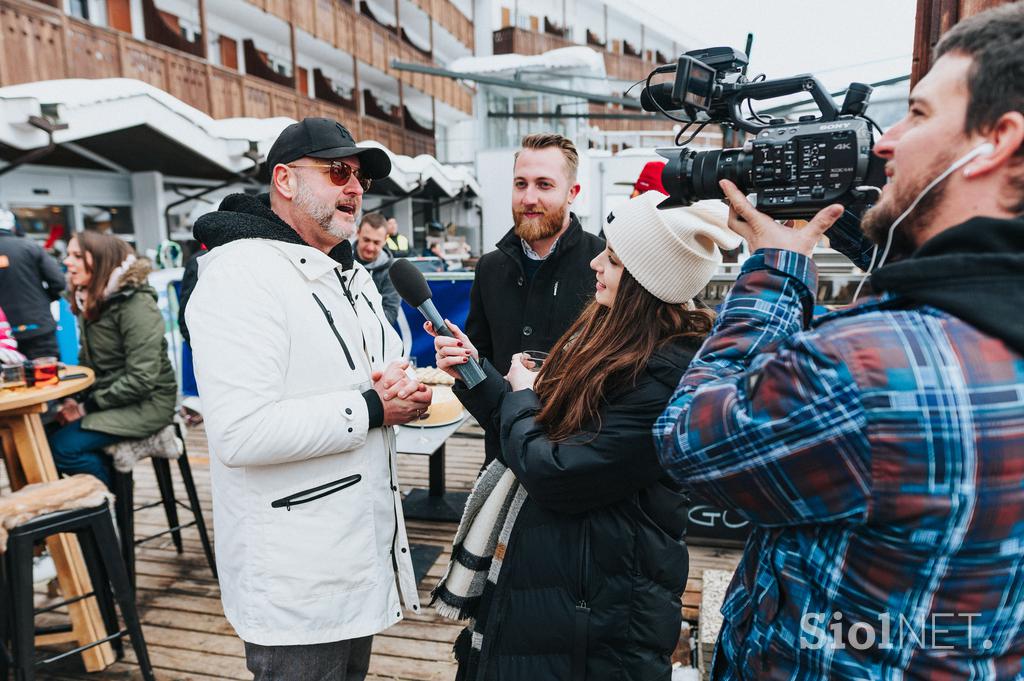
(451, 352)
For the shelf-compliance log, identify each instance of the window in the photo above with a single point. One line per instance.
(109, 220)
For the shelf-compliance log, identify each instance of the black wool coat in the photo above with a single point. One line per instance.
(508, 314)
(597, 547)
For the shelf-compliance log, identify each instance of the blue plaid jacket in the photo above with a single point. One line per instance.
(880, 454)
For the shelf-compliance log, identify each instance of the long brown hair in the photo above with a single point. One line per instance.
(101, 255)
(606, 350)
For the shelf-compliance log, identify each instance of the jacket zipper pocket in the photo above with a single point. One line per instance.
(330, 320)
(324, 490)
(581, 618)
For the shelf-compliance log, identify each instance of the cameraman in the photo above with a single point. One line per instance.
(878, 449)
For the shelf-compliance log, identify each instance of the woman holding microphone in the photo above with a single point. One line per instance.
(587, 571)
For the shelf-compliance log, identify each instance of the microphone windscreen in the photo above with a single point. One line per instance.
(409, 282)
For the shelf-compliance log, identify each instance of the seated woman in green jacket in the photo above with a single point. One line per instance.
(121, 332)
(594, 566)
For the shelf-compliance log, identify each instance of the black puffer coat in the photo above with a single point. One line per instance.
(597, 547)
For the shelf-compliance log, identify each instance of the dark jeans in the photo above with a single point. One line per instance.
(337, 661)
(43, 345)
(81, 451)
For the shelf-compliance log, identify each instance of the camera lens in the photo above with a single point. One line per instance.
(694, 175)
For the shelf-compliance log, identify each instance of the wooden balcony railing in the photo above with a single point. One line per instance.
(450, 18)
(655, 122)
(72, 48)
(159, 31)
(338, 23)
(323, 89)
(512, 40)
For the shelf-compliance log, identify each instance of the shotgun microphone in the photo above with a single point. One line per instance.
(413, 288)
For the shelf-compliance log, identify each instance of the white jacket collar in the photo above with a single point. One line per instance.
(311, 262)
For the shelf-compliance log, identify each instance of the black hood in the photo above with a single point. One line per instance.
(668, 363)
(974, 271)
(245, 216)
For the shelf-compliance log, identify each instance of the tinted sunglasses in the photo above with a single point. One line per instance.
(340, 173)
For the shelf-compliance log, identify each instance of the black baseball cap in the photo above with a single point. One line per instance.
(325, 138)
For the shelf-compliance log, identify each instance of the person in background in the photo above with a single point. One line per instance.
(650, 179)
(122, 340)
(877, 450)
(29, 281)
(528, 291)
(371, 254)
(8, 345)
(594, 565)
(397, 243)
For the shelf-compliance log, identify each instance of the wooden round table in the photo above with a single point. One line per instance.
(29, 460)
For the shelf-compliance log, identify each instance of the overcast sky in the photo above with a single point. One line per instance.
(838, 40)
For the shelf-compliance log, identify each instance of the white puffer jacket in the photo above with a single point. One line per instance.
(311, 544)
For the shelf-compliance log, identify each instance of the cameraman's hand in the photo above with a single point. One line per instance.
(761, 231)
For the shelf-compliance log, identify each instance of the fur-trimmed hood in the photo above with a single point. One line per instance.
(127, 278)
(133, 274)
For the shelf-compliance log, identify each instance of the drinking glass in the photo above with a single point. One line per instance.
(536, 358)
(45, 370)
(12, 376)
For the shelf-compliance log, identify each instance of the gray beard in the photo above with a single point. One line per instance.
(321, 213)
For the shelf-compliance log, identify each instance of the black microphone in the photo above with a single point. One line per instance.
(413, 288)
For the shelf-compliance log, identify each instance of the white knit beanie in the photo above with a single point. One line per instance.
(672, 253)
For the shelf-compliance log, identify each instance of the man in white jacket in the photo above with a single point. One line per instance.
(300, 381)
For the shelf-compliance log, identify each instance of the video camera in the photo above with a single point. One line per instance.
(795, 168)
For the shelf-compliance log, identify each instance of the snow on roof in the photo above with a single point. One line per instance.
(575, 57)
(99, 106)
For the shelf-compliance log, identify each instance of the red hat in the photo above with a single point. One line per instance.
(650, 178)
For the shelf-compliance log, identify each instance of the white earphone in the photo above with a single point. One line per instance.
(981, 149)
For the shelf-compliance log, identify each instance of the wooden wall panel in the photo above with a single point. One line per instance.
(935, 17)
(187, 81)
(226, 94)
(257, 99)
(344, 27)
(31, 46)
(145, 63)
(284, 103)
(280, 8)
(91, 53)
(304, 15)
(323, 20)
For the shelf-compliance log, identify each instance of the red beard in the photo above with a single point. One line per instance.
(533, 229)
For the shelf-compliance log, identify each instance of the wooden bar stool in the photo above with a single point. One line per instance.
(35, 513)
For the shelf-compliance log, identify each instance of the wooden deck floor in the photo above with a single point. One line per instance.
(179, 601)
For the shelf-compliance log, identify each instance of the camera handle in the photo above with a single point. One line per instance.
(770, 89)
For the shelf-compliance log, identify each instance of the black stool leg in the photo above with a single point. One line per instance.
(162, 468)
(19, 563)
(103, 536)
(101, 588)
(197, 511)
(5, 616)
(124, 509)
